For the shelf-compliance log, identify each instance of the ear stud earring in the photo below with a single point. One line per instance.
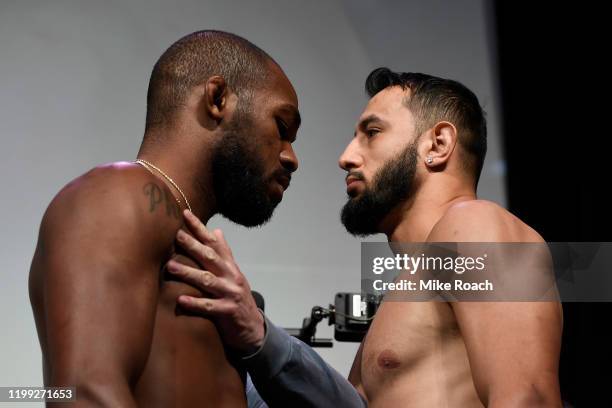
(429, 159)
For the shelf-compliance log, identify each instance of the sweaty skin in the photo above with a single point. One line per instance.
(463, 354)
(105, 309)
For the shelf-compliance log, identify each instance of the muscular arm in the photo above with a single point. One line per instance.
(513, 347)
(94, 282)
(513, 350)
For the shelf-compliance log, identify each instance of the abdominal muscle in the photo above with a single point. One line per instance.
(414, 356)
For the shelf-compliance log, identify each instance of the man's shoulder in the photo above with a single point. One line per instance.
(110, 178)
(119, 194)
(481, 221)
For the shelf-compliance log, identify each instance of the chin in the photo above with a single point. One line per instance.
(275, 197)
(275, 201)
(355, 195)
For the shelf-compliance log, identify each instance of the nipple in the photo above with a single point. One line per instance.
(388, 359)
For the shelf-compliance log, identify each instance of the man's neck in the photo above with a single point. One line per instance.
(191, 172)
(414, 220)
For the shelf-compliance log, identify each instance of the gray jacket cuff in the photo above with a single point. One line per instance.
(274, 352)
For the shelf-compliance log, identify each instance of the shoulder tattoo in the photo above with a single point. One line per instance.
(160, 197)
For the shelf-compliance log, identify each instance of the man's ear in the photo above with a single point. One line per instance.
(441, 141)
(215, 102)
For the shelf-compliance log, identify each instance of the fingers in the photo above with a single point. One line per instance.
(203, 280)
(206, 306)
(222, 243)
(202, 234)
(197, 228)
(206, 256)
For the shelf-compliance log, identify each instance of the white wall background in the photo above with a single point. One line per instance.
(73, 79)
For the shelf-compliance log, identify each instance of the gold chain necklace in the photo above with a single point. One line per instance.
(146, 165)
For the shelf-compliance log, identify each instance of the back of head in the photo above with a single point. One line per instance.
(191, 61)
(434, 99)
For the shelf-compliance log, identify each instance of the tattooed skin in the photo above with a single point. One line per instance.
(161, 197)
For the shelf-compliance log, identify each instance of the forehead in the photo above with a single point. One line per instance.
(278, 88)
(388, 104)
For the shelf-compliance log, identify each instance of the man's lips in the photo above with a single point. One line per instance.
(352, 179)
(353, 183)
(284, 181)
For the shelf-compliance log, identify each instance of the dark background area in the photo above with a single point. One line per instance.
(556, 124)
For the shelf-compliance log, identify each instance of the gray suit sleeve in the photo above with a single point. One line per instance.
(287, 372)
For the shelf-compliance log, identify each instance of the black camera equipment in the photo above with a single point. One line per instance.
(351, 314)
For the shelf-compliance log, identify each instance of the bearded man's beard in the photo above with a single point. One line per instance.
(239, 184)
(390, 186)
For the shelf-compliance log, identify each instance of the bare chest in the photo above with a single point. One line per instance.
(403, 338)
(187, 362)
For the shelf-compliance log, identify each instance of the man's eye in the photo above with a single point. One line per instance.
(372, 132)
(283, 129)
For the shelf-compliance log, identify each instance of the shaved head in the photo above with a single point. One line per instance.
(192, 60)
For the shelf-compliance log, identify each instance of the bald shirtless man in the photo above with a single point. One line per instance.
(412, 171)
(221, 118)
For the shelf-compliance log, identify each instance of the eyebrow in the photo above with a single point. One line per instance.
(296, 119)
(368, 120)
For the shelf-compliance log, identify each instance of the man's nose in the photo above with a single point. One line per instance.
(350, 158)
(288, 158)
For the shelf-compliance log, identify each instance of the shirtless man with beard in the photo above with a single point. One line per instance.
(413, 168)
(412, 171)
(221, 120)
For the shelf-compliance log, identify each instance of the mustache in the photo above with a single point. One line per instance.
(356, 175)
(282, 172)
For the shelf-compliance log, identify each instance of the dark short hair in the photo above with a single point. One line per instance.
(192, 60)
(434, 99)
